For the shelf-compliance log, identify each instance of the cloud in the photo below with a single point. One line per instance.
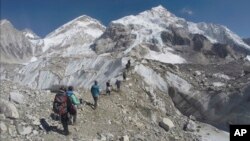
(187, 11)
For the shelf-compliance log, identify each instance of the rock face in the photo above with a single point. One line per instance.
(247, 41)
(8, 109)
(116, 38)
(209, 95)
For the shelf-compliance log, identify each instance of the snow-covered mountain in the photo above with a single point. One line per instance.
(154, 34)
(160, 35)
(74, 37)
(15, 47)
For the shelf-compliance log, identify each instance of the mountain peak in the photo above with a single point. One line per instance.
(84, 18)
(5, 22)
(159, 8)
(83, 21)
(30, 34)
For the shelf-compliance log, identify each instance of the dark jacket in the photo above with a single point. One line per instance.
(118, 83)
(108, 84)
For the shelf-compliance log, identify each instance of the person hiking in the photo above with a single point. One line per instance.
(95, 93)
(128, 65)
(108, 88)
(118, 84)
(62, 106)
(124, 75)
(75, 101)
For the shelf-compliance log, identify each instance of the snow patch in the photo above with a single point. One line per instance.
(166, 57)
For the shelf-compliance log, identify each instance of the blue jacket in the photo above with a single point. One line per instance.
(95, 90)
(69, 93)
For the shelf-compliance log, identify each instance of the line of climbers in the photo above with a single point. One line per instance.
(65, 102)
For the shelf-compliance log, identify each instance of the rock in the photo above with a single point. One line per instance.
(109, 136)
(12, 131)
(35, 120)
(125, 138)
(139, 137)
(166, 124)
(190, 126)
(34, 132)
(3, 128)
(24, 130)
(191, 117)
(16, 97)
(101, 137)
(144, 61)
(197, 73)
(8, 109)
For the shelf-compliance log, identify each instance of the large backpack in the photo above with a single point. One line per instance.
(60, 104)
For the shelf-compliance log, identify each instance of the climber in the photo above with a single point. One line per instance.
(118, 84)
(95, 93)
(124, 75)
(108, 87)
(75, 101)
(62, 106)
(128, 65)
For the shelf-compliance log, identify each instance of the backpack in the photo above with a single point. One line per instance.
(60, 104)
(74, 99)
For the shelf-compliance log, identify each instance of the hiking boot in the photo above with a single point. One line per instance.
(66, 133)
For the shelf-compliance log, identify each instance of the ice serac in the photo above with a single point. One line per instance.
(14, 46)
(74, 37)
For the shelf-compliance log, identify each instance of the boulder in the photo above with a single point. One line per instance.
(190, 126)
(17, 97)
(8, 109)
(166, 124)
(24, 130)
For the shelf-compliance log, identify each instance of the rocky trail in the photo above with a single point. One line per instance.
(134, 113)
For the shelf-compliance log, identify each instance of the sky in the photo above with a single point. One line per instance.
(44, 16)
